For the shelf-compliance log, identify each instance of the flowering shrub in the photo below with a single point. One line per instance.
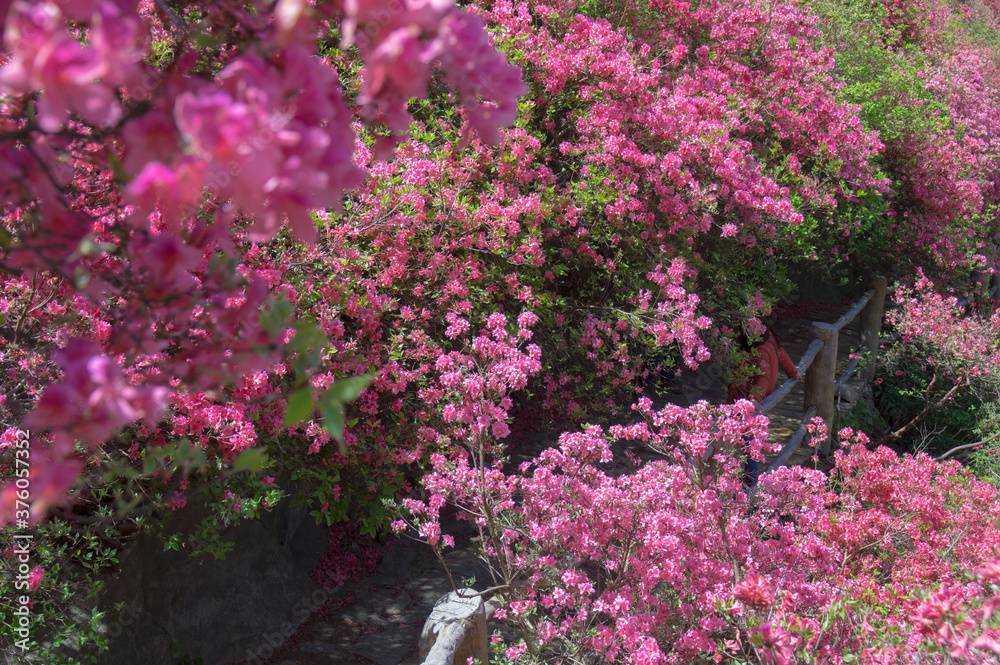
(941, 375)
(926, 81)
(187, 114)
(148, 145)
(673, 562)
(64, 568)
(165, 104)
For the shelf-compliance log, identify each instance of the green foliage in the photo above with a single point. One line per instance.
(884, 58)
(883, 74)
(863, 416)
(234, 499)
(976, 20)
(984, 460)
(906, 383)
(902, 390)
(986, 463)
(63, 626)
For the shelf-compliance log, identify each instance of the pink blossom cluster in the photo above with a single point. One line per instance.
(960, 345)
(272, 137)
(142, 159)
(77, 78)
(665, 125)
(476, 387)
(400, 40)
(670, 563)
(944, 165)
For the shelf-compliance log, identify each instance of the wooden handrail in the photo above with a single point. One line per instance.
(821, 386)
(849, 372)
(850, 314)
(871, 306)
(814, 348)
(775, 398)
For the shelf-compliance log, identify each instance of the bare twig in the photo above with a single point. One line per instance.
(929, 409)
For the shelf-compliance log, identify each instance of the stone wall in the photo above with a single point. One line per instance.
(164, 606)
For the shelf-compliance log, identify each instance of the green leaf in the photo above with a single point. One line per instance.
(308, 342)
(347, 390)
(151, 461)
(275, 317)
(332, 410)
(299, 407)
(251, 459)
(204, 41)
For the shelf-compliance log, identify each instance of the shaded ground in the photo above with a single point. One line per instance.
(376, 618)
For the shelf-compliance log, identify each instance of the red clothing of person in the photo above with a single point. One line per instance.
(766, 357)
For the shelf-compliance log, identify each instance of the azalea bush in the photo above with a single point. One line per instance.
(150, 145)
(937, 377)
(241, 339)
(924, 78)
(888, 559)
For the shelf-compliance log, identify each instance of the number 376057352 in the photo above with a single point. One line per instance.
(22, 471)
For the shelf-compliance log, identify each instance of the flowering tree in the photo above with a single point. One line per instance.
(673, 562)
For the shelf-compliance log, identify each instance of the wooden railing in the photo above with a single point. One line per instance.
(819, 362)
(819, 366)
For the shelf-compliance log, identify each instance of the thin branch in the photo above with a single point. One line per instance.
(929, 409)
(24, 314)
(966, 446)
(175, 20)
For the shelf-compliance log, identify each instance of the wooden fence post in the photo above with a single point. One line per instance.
(871, 315)
(821, 375)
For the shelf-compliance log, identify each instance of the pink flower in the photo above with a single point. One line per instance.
(755, 591)
(148, 138)
(52, 476)
(177, 501)
(35, 578)
(526, 319)
(774, 643)
(74, 77)
(170, 259)
(93, 399)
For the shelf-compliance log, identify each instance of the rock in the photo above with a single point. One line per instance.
(455, 631)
